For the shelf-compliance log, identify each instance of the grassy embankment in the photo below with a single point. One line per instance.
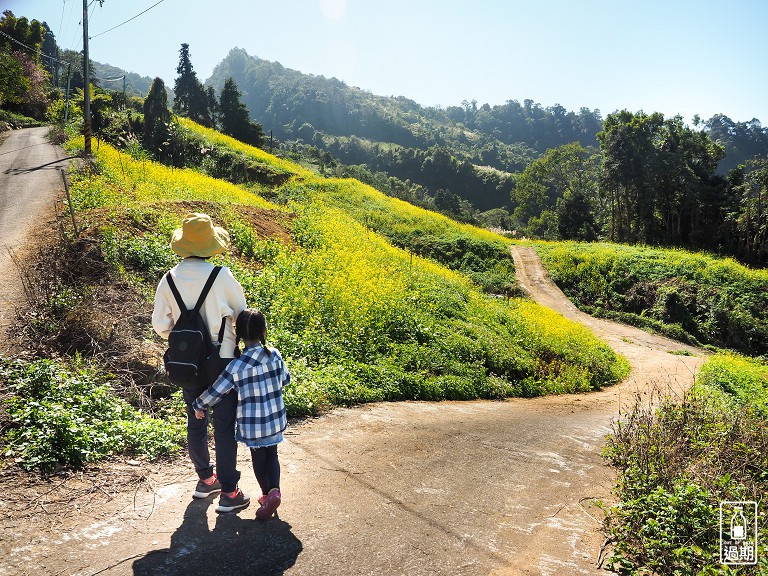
(695, 298)
(12, 121)
(358, 318)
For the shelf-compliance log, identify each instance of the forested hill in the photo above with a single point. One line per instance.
(469, 151)
(284, 99)
(398, 136)
(135, 85)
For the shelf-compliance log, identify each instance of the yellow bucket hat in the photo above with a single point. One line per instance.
(199, 237)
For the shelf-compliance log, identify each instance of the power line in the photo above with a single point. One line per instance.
(61, 20)
(66, 33)
(12, 39)
(126, 22)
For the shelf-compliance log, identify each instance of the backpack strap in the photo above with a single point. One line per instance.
(203, 294)
(175, 291)
(221, 330)
(207, 287)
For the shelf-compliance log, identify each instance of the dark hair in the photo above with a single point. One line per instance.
(251, 324)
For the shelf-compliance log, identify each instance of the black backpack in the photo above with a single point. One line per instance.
(191, 354)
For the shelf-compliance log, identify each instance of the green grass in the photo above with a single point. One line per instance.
(696, 298)
(741, 380)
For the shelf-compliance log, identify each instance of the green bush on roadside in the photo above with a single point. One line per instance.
(68, 417)
(677, 460)
(692, 297)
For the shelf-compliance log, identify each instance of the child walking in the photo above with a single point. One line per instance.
(258, 376)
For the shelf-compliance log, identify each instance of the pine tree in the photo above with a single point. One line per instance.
(213, 104)
(234, 118)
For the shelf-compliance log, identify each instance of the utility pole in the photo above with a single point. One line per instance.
(66, 106)
(86, 83)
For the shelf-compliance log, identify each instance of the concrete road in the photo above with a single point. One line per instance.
(408, 488)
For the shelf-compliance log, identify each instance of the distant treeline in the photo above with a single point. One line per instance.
(438, 149)
(545, 172)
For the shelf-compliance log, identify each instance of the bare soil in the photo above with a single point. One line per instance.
(501, 488)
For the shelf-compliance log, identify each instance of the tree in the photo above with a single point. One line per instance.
(234, 117)
(13, 83)
(687, 190)
(157, 117)
(660, 176)
(21, 30)
(24, 83)
(33, 83)
(190, 98)
(629, 161)
(575, 219)
(51, 50)
(213, 105)
(747, 218)
(742, 140)
(565, 179)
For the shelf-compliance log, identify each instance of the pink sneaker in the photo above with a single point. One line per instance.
(269, 504)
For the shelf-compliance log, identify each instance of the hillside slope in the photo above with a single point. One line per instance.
(358, 318)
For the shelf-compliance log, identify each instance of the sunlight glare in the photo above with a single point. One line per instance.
(333, 9)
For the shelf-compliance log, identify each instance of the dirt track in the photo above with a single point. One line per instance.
(500, 488)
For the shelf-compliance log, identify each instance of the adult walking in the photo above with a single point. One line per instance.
(196, 241)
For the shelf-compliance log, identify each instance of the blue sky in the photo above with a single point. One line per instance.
(673, 56)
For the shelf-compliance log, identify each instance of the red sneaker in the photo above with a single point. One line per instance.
(269, 504)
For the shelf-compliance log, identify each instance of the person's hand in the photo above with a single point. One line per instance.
(199, 414)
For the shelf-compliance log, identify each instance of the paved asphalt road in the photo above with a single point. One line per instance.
(30, 180)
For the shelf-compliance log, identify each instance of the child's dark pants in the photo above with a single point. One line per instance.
(266, 466)
(223, 414)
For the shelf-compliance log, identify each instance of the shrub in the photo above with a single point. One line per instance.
(677, 460)
(149, 256)
(688, 296)
(61, 417)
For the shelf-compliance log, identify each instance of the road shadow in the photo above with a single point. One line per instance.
(238, 545)
(47, 166)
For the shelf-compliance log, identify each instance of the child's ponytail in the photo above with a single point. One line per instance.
(251, 324)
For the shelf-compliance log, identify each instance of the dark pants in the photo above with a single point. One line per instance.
(266, 466)
(223, 414)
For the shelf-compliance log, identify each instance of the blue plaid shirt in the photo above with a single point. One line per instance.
(258, 376)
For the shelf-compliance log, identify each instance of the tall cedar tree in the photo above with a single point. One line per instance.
(157, 117)
(234, 117)
(190, 98)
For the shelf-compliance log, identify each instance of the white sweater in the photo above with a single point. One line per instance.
(225, 300)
